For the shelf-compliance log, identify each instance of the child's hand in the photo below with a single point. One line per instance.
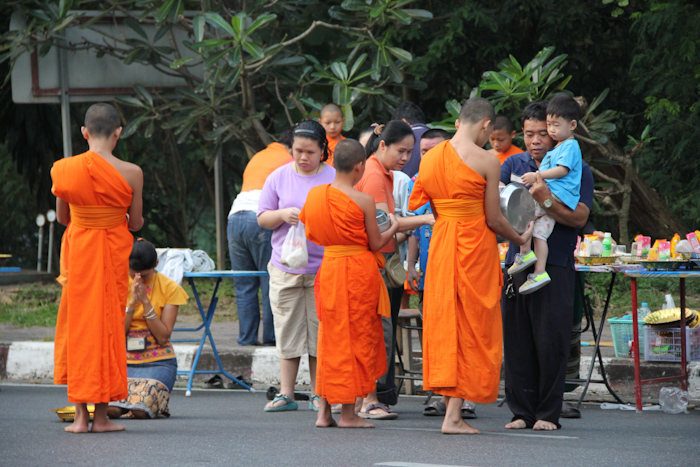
(291, 215)
(529, 178)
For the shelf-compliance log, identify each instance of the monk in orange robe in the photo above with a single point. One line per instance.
(332, 121)
(351, 296)
(462, 334)
(99, 198)
(501, 139)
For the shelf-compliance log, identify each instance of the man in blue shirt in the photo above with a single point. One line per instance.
(537, 327)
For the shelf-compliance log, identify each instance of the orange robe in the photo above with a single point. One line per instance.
(462, 329)
(332, 143)
(502, 156)
(262, 164)
(351, 354)
(90, 348)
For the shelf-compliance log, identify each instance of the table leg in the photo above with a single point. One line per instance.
(684, 363)
(635, 348)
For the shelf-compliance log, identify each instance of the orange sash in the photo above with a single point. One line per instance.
(97, 217)
(456, 210)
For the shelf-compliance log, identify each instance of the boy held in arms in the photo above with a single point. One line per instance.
(332, 121)
(350, 293)
(561, 169)
(501, 139)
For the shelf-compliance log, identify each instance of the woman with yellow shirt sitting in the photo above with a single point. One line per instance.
(151, 312)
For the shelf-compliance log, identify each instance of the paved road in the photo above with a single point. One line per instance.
(230, 428)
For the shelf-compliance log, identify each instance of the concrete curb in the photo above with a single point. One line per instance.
(34, 361)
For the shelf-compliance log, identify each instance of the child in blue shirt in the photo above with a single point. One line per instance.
(561, 169)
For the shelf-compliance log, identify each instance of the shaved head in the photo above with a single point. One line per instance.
(347, 154)
(331, 108)
(475, 110)
(101, 120)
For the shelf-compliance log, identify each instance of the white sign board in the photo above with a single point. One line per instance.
(35, 79)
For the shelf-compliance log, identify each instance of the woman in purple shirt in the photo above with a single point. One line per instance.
(292, 290)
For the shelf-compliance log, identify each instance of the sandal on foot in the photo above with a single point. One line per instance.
(288, 404)
(387, 415)
(436, 409)
(335, 408)
(313, 406)
(468, 411)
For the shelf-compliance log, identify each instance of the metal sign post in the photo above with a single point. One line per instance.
(51, 217)
(40, 221)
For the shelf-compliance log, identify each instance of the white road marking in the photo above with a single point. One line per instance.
(413, 464)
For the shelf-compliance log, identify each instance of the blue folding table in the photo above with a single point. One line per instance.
(207, 318)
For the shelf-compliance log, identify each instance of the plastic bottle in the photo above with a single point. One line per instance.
(643, 312)
(607, 245)
(674, 241)
(669, 304)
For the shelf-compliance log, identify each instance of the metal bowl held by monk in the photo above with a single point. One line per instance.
(383, 221)
(518, 206)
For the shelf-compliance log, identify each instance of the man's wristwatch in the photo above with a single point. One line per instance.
(548, 203)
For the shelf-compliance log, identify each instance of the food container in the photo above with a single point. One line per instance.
(383, 221)
(68, 413)
(518, 206)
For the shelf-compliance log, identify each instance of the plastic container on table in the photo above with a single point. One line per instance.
(623, 335)
(664, 344)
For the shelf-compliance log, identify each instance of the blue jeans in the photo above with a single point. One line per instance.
(250, 248)
(164, 371)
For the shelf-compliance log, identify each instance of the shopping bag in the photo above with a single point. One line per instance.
(294, 251)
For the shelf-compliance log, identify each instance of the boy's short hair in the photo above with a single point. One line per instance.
(101, 120)
(535, 111)
(410, 112)
(502, 122)
(565, 106)
(331, 108)
(436, 133)
(475, 109)
(347, 154)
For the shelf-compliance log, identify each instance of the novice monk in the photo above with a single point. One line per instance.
(99, 198)
(501, 139)
(462, 336)
(332, 121)
(350, 291)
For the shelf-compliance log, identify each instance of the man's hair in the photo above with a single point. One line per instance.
(535, 111)
(564, 106)
(475, 109)
(143, 255)
(331, 108)
(409, 111)
(286, 137)
(101, 120)
(436, 133)
(502, 122)
(347, 154)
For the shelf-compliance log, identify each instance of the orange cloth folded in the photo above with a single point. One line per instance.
(462, 329)
(90, 347)
(351, 354)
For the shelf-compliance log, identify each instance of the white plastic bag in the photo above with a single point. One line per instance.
(673, 400)
(294, 252)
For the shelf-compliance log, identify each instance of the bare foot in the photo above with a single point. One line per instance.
(544, 425)
(323, 421)
(516, 425)
(459, 427)
(105, 426)
(80, 420)
(354, 421)
(115, 412)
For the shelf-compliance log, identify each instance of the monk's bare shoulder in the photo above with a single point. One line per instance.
(132, 173)
(362, 199)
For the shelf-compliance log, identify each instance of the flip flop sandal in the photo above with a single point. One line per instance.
(313, 406)
(388, 415)
(468, 411)
(335, 408)
(215, 382)
(436, 409)
(288, 404)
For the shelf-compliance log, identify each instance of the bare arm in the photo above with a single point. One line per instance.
(412, 259)
(273, 219)
(559, 212)
(136, 209)
(377, 240)
(492, 205)
(409, 223)
(555, 172)
(62, 211)
(161, 327)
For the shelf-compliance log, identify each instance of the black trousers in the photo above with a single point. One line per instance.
(536, 340)
(387, 390)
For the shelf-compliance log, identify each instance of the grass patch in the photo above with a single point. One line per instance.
(33, 305)
(226, 307)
